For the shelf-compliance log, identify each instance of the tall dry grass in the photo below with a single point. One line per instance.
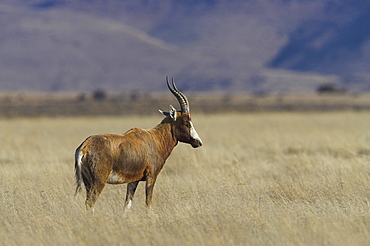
(259, 179)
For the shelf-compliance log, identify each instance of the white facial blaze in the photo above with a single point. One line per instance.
(193, 133)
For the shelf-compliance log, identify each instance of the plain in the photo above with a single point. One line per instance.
(260, 179)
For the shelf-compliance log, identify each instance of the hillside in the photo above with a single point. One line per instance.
(254, 46)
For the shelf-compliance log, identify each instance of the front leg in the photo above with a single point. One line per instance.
(150, 181)
(131, 188)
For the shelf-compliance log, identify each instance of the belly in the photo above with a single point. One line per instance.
(121, 178)
(114, 178)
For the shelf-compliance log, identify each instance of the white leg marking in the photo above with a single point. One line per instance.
(129, 204)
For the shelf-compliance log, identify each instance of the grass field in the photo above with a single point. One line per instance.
(260, 179)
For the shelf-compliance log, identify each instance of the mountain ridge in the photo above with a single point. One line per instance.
(61, 45)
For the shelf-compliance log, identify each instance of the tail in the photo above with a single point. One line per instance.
(78, 173)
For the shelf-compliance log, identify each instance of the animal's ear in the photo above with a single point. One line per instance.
(164, 113)
(172, 112)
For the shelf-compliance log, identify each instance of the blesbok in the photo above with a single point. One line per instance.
(137, 155)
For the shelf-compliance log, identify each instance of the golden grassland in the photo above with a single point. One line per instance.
(260, 179)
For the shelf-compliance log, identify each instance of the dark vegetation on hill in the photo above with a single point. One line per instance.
(101, 103)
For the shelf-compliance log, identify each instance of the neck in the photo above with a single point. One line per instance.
(164, 133)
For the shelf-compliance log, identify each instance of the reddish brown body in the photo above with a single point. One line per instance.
(137, 155)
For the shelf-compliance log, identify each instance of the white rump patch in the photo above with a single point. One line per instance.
(80, 159)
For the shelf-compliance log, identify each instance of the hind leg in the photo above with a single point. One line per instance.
(131, 188)
(95, 173)
(94, 186)
(93, 193)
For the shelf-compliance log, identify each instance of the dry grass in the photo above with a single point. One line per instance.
(259, 179)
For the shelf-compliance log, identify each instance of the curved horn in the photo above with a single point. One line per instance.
(184, 103)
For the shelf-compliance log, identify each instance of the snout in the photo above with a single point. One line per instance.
(196, 143)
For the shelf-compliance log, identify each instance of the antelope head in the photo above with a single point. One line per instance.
(183, 130)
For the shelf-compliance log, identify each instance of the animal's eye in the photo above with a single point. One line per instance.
(187, 124)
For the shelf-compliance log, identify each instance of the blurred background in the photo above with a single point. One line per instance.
(279, 91)
(254, 46)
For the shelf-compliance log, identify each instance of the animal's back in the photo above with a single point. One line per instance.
(108, 142)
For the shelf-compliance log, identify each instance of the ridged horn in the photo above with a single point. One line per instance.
(184, 103)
